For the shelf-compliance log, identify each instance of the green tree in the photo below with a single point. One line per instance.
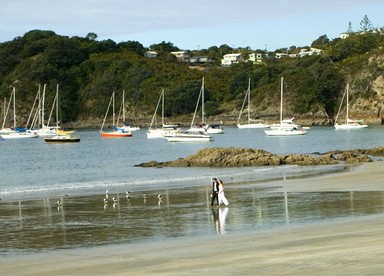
(366, 25)
(349, 30)
(321, 42)
(91, 36)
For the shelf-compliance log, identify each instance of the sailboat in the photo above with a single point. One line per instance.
(5, 130)
(251, 123)
(115, 133)
(349, 123)
(45, 130)
(125, 127)
(165, 128)
(17, 134)
(61, 136)
(196, 133)
(203, 127)
(286, 127)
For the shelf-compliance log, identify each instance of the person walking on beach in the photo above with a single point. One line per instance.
(221, 196)
(215, 191)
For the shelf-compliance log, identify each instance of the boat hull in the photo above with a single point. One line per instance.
(285, 132)
(62, 140)
(115, 134)
(252, 126)
(349, 126)
(188, 137)
(17, 135)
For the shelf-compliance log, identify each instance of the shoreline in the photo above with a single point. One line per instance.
(351, 245)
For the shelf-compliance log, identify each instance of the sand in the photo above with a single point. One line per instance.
(348, 246)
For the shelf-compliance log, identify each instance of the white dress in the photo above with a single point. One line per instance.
(221, 196)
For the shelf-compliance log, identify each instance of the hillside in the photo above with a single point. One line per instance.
(88, 71)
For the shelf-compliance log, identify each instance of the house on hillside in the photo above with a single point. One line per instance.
(343, 35)
(257, 57)
(196, 60)
(309, 52)
(280, 55)
(181, 56)
(230, 59)
(151, 54)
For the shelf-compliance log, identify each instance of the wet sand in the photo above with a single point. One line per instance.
(347, 246)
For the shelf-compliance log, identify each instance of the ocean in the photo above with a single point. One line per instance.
(35, 175)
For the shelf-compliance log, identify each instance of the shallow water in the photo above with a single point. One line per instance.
(40, 225)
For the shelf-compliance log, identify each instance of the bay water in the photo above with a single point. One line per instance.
(163, 202)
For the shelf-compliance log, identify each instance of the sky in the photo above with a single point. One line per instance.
(192, 24)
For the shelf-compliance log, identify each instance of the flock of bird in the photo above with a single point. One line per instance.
(128, 196)
(115, 201)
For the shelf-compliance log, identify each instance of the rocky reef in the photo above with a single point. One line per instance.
(241, 157)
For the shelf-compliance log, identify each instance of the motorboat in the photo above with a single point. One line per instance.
(63, 137)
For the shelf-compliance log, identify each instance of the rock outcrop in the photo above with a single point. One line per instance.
(241, 157)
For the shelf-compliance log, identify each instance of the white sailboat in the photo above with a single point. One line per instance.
(17, 134)
(125, 127)
(6, 130)
(203, 127)
(38, 119)
(196, 133)
(348, 123)
(286, 127)
(158, 132)
(60, 136)
(250, 122)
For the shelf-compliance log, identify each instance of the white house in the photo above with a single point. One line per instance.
(343, 35)
(257, 57)
(230, 59)
(181, 56)
(311, 52)
(151, 54)
(280, 55)
(200, 60)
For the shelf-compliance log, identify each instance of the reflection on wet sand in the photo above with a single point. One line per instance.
(40, 225)
(219, 215)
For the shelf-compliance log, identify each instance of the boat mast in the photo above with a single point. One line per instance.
(14, 107)
(57, 106)
(113, 109)
(281, 101)
(201, 94)
(202, 104)
(123, 108)
(106, 113)
(249, 100)
(4, 111)
(162, 108)
(347, 117)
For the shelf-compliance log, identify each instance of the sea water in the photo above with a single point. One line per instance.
(163, 202)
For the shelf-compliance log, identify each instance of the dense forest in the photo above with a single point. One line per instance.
(88, 71)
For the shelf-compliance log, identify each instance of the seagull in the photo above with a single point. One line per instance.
(58, 203)
(128, 194)
(105, 201)
(114, 200)
(106, 193)
(145, 198)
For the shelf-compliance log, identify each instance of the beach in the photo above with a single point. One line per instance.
(346, 246)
